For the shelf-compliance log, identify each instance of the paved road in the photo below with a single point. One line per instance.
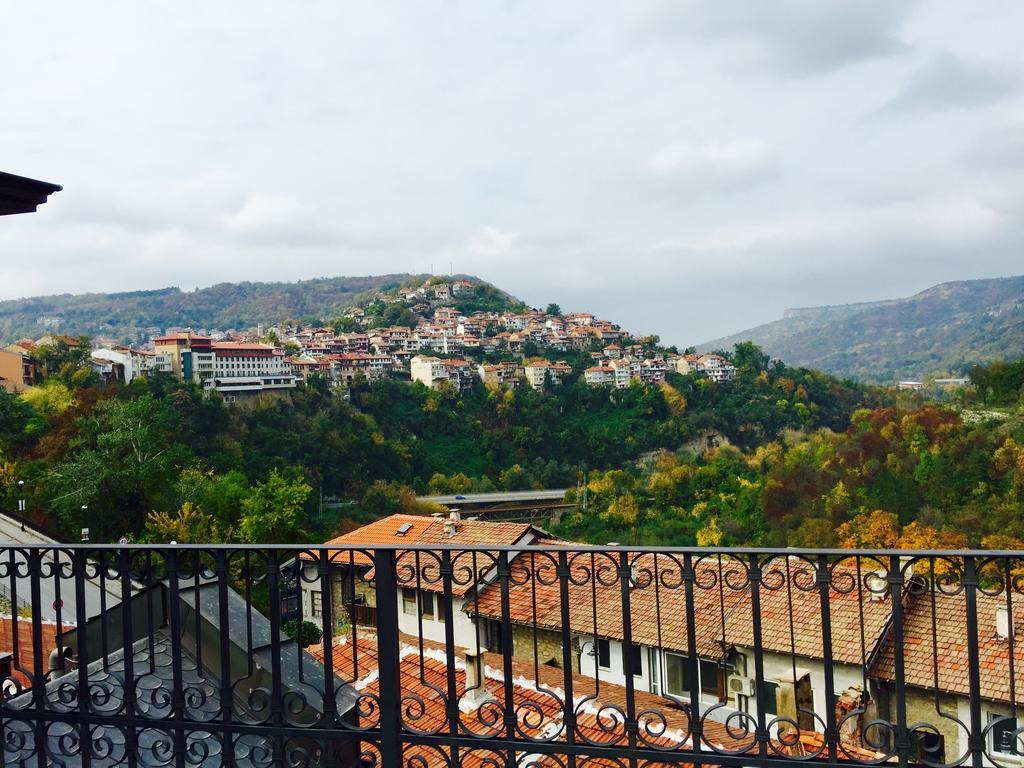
(20, 587)
(554, 494)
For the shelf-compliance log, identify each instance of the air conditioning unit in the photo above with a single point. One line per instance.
(744, 686)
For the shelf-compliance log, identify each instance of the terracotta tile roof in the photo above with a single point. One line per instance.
(430, 530)
(658, 616)
(537, 699)
(378, 533)
(722, 606)
(939, 659)
(794, 594)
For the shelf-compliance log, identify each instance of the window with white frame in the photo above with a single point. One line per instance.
(675, 675)
(409, 601)
(1004, 737)
(316, 603)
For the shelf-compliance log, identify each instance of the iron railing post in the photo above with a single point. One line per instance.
(824, 581)
(386, 586)
(895, 579)
(977, 738)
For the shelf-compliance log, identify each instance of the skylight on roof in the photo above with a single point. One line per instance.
(403, 529)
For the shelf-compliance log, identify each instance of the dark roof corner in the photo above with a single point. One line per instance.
(21, 195)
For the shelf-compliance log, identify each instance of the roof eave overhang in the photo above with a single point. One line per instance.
(19, 194)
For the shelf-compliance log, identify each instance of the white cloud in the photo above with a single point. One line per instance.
(737, 158)
(493, 243)
(261, 214)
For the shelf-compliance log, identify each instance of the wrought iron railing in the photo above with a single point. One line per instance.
(497, 656)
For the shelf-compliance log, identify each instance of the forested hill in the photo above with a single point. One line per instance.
(125, 316)
(941, 331)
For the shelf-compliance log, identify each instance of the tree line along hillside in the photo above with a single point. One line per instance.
(942, 331)
(159, 459)
(125, 316)
(916, 476)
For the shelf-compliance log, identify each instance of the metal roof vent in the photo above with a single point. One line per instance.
(403, 529)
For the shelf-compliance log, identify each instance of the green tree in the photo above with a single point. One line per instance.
(15, 414)
(554, 310)
(188, 525)
(275, 513)
(122, 466)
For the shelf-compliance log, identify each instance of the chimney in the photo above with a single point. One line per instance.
(474, 669)
(454, 515)
(1004, 626)
(449, 529)
(877, 585)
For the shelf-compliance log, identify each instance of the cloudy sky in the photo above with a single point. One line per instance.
(684, 168)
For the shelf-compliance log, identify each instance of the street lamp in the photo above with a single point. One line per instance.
(21, 503)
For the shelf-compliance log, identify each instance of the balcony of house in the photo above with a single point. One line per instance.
(529, 652)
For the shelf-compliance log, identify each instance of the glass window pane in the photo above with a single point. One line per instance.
(604, 654)
(1003, 738)
(675, 674)
(409, 601)
(709, 672)
(770, 693)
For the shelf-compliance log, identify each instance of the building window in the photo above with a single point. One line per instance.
(427, 605)
(289, 605)
(931, 747)
(675, 674)
(492, 635)
(604, 654)
(409, 601)
(712, 679)
(632, 660)
(1004, 740)
(770, 696)
(316, 604)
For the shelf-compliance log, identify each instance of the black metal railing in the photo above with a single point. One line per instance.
(495, 656)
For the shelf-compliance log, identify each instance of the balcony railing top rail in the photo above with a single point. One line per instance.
(492, 656)
(515, 548)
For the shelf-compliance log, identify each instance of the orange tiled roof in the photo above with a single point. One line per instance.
(537, 692)
(942, 656)
(658, 617)
(430, 530)
(380, 532)
(722, 606)
(794, 593)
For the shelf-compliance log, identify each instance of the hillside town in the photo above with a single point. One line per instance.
(436, 344)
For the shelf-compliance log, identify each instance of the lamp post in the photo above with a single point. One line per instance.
(21, 503)
(85, 531)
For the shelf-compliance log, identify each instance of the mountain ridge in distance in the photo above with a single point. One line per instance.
(941, 330)
(122, 315)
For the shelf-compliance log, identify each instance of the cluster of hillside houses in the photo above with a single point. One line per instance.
(236, 363)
